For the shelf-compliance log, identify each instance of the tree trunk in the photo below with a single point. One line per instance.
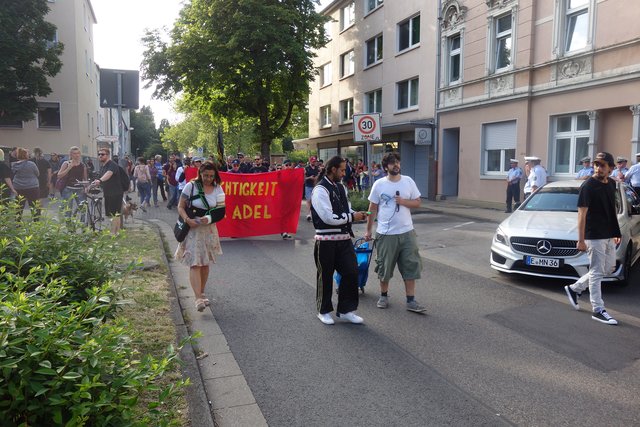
(265, 149)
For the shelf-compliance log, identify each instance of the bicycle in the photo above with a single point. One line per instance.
(89, 211)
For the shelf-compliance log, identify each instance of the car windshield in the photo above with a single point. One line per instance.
(556, 199)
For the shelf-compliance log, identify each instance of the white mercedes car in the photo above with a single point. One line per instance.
(540, 237)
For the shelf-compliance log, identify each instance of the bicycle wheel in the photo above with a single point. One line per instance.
(97, 215)
(80, 212)
(89, 214)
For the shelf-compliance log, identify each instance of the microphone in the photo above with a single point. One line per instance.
(397, 205)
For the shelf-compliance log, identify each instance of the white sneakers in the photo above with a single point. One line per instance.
(351, 317)
(348, 317)
(326, 318)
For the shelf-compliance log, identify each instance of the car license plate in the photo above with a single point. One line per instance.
(542, 262)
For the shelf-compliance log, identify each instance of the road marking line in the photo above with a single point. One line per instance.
(458, 226)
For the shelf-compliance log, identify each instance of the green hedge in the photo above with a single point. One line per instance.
(64, 358)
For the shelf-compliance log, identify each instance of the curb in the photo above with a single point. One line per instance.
(219, 393)
(196, 394)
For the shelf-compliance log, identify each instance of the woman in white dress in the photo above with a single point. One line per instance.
(202, 244)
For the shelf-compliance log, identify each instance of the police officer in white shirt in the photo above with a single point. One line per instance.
(620, 170)
(633, 175)
(587, 169)
(513, 184)
(537, 176)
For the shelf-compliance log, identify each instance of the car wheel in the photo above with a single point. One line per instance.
(626, 270)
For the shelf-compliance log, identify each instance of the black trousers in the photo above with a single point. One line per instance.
(330, 256)
(513, 192)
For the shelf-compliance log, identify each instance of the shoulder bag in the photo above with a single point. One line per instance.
(181, 229)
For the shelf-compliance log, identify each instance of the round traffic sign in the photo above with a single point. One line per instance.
(367, 124)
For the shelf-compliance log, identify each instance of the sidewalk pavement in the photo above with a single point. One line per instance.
(478, 211)
(219, 394)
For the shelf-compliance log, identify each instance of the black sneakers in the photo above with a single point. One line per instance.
(573, 297)
(604, 317)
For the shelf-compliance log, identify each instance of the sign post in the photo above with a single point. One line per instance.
(366, 127)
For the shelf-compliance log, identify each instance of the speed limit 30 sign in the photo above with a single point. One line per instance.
(366, 127)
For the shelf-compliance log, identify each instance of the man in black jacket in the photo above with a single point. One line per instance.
(333, 251)
(598, 234)
(111, 186)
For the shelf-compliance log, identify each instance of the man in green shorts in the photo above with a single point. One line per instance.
(391, 200)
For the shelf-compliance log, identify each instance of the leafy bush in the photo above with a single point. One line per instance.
(60, 364)
(83, 258)
(359, 201)
(64, 359)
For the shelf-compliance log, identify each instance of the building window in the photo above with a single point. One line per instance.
(325, 74)
(374, 50)
(576, 25)
(327, 30)
(346, 110)
(53, 42)
(502, 42)
(570, 142)
(325, 116)
(499, 146)
(455, 55)
(347, 16)
(371, 5)
(10, 124)
(373, 101)
(408, 33)
(49, 115)
(347, 64)
(407, 94)
(327, 153)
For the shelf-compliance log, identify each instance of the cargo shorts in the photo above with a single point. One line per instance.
(400, 250)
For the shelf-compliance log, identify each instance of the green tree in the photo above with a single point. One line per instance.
(244, 59)
(144, 132)
(29, 55)
(154, 149)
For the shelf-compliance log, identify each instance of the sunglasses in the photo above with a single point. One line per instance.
(102, 154)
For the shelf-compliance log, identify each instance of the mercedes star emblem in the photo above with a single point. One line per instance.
(543, 247)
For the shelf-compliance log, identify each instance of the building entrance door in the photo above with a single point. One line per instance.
(450, 161)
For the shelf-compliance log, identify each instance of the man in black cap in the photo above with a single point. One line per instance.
(235, 166)
(598, 234)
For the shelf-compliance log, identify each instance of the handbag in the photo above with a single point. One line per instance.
(61, 183)
(181, 229)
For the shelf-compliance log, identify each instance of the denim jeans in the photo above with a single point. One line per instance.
(154, 190)
(602, 261)
(173, 196)
(71, 196)
(144, 190)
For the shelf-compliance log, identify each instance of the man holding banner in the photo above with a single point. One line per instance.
(333, 251)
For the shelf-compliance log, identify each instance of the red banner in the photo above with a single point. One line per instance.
(262, 203)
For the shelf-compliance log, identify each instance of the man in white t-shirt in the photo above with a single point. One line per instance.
(391, 200)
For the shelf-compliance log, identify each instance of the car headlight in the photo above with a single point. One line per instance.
(501, 237)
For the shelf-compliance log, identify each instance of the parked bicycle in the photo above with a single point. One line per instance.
(90, 211)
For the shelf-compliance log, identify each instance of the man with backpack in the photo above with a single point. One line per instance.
(114, 181)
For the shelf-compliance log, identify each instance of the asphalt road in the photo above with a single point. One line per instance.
(492, 349)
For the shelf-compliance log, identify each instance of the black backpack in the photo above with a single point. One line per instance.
(125, 181)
